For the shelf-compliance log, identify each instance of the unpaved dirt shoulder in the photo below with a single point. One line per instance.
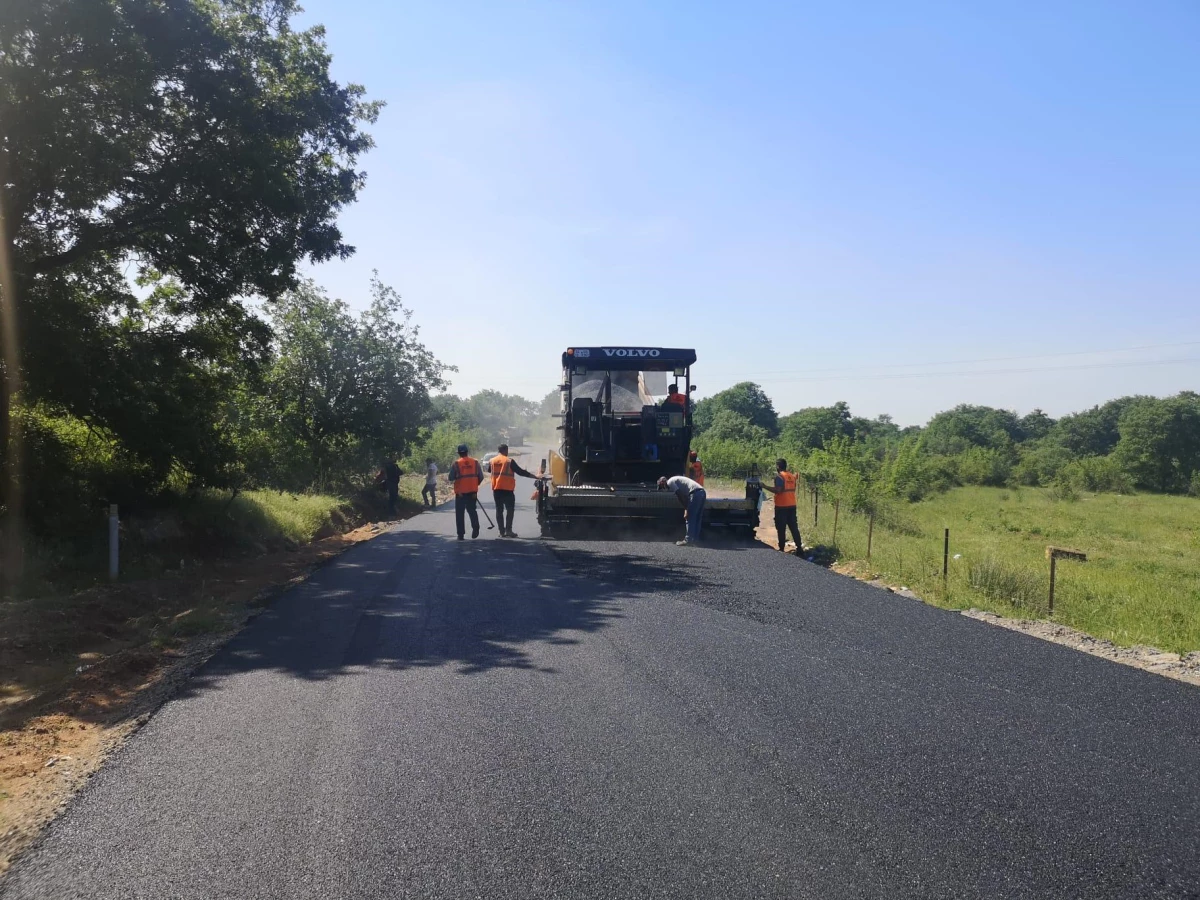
(56, 738)
(1150, 659)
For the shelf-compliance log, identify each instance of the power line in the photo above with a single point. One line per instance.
(963, 362)
(967, 372)
(861, 373)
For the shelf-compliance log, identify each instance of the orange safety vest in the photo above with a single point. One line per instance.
(677, 399)
(787, 497)
(503, 478)
(696, 472)
(467, 475)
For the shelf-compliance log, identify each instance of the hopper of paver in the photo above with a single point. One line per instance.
(626, 421)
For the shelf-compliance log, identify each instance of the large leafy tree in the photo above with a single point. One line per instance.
(203, 139)
(746, 399)
(1035, 425)
(499, 415)
(1160, 441)
(728, 425)
(1093, 432)
(966, 426)
(551, 404)
(816, 426)
(342, 390)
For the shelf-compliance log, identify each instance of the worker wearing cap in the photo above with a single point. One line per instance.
(691, 496)
(785, 503)
(695, 468)
(504, 471)
(466, 475)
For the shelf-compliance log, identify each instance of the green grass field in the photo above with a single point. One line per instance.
(1140, 585)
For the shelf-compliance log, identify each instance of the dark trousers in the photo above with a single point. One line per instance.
(429, 494)
(786, 518)
(464, 504)
(506, 501)
(393, 495)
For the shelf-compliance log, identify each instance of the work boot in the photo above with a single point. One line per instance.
(511, 533)
(474, 534)
(461, 538)
(684, 543)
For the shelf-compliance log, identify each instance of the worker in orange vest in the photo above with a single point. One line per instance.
(504, 471)
(673, 396)
(785, 503)
(695, 468)
(466, 475)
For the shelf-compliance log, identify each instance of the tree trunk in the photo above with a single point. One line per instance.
(11, 546)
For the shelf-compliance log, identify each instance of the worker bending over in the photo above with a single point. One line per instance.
(695, 468)
(466, 475)
(389, 478)
(691, 496)
(785, 504)
(504, 485)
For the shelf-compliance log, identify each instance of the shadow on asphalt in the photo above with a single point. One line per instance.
(415, 599)
(631, 574)
(650, 533)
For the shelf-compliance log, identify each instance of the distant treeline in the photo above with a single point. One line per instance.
(1131, 443)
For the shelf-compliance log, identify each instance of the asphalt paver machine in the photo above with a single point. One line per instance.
(619, 434)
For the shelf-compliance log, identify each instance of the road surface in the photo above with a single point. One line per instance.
(494, 719)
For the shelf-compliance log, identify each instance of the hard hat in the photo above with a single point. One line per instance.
(462, 449)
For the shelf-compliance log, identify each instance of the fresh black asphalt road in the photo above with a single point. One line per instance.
(494, 719)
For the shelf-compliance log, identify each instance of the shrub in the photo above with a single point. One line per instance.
(906, 473)
(984, 465)
(72, 471)
(727, 459)
(999, 581)
(1097, 474)
(1061, 488)
(1040, 465)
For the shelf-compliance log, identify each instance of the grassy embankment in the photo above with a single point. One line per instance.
(1140, 585)
(189, 568)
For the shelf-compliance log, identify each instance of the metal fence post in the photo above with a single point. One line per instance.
(870, 530)
(946, 563)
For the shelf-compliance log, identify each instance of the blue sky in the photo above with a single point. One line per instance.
(901, 205)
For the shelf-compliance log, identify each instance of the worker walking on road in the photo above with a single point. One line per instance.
(695, 468)
(466, 475)
(429, 492)
(691, 496)
(785, 503)
(504, 470)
